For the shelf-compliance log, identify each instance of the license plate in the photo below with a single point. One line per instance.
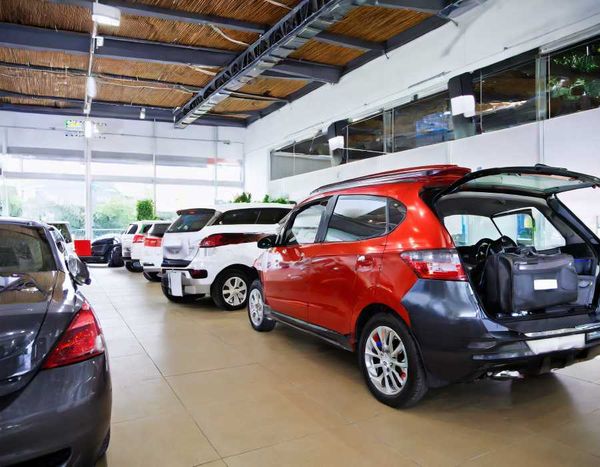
(545, 284)
(175, 283)
(554, 344)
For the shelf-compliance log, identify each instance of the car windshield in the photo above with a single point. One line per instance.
(24, 249)
(191, 221)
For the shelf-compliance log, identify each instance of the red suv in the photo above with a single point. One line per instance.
(436, 275)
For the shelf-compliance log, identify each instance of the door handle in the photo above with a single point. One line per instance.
(364, 260)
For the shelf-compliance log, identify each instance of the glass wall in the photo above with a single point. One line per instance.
(365, 139)
(301, 157)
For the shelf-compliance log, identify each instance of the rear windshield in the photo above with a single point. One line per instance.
(252, 216)
(131, 229)
(158, 230)
(24, 249)
(64, 230)
(146, 228)
(191, 221)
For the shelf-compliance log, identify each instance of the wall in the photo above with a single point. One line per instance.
(496, 30)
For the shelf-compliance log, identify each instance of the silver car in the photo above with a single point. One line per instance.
(55, 388)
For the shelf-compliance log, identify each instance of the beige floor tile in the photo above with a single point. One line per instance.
(536, 451)
(344, 446)
(166, 440)
(143, 399)
(132, 369)
(581, 435)
(587, 371)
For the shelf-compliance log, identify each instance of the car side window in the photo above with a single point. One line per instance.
(396, 213)
(357, 217)
(305, 225)
(132, 229)
(238, 216)
(271, 215)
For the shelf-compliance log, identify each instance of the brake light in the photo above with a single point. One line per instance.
(435, 264)
(138, 238)
(152, 241)
(82, 340)
(215, 240)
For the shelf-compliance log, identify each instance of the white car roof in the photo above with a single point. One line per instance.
(236, 206)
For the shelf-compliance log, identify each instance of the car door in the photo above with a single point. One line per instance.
(286, 274)
(345, 269)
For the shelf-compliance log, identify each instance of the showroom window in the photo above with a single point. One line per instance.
(506, 96)
(301, 157)
(365, 138)
(422, 122)
(574, 79)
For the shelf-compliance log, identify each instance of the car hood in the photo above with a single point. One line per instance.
(31, 321)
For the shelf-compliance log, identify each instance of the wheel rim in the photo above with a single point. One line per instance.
(256, 307)
(386, 360)
(234, 291)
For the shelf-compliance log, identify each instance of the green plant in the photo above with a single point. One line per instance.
(243, 198)
(145, 209)
(280, 200)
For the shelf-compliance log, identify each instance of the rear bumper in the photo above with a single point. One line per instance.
(62, 410)
(458, 342)
(190, 286)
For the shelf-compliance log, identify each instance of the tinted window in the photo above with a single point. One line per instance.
(357, 218)
(24, 249)
(131, 229)
(146, 228)
(271, 215)
(305, 225)
(64, 230)
(192, 221)
(158, 230)
(238, 216)
(396, 213)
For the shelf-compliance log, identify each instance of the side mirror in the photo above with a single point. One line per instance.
(267, 242)
(78, 270)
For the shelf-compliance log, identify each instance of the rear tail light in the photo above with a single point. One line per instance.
(435, 264)
(229, 239)
(82, 340)
(152, 241)
(138, 238)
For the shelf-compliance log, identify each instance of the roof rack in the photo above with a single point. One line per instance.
(393, 176)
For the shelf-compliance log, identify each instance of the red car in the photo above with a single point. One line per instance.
(435, 275)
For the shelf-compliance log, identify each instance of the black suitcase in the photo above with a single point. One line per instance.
(524, 280)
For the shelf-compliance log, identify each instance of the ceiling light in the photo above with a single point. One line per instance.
(106, 15)
(90, 87)
(142, 113)
(88, 128)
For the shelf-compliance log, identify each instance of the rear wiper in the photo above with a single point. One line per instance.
(23, 280)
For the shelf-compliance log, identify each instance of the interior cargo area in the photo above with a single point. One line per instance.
(521, 257)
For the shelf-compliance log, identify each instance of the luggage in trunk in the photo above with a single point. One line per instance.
(523, 280)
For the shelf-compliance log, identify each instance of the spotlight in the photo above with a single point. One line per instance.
(90, 87)
(142, 113)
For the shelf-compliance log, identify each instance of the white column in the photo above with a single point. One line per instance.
(87, 156)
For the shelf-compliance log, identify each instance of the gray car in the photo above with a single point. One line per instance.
(55, 388)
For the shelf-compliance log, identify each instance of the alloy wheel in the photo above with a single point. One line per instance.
(256, 307)
(386, 360)
(234, 291)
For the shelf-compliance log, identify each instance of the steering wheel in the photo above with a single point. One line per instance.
(482, 248)
(501, 243)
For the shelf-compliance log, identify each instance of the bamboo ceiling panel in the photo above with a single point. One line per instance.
(273, 87)
(328, 54)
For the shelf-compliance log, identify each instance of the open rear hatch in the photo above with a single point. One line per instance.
(521, 274)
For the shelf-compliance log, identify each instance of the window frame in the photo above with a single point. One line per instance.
(321, 229)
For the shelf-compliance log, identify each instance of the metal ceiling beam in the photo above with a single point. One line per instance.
(29, 37)
(302, 23)
(426, 6)
(347, 41)
(139, 9)
(102, 110)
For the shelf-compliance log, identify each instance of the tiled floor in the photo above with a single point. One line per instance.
(193, 385)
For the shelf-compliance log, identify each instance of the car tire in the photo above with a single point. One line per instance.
(256, 309)
(152, 276)
(134, 266)
(229, 291)
(390, 362)
(115, 260)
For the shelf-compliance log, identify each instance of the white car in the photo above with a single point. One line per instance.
(128, 237)
(151, 253)
(211, 251)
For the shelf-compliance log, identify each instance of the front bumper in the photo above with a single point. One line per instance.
(458, 342)
(63, 410)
